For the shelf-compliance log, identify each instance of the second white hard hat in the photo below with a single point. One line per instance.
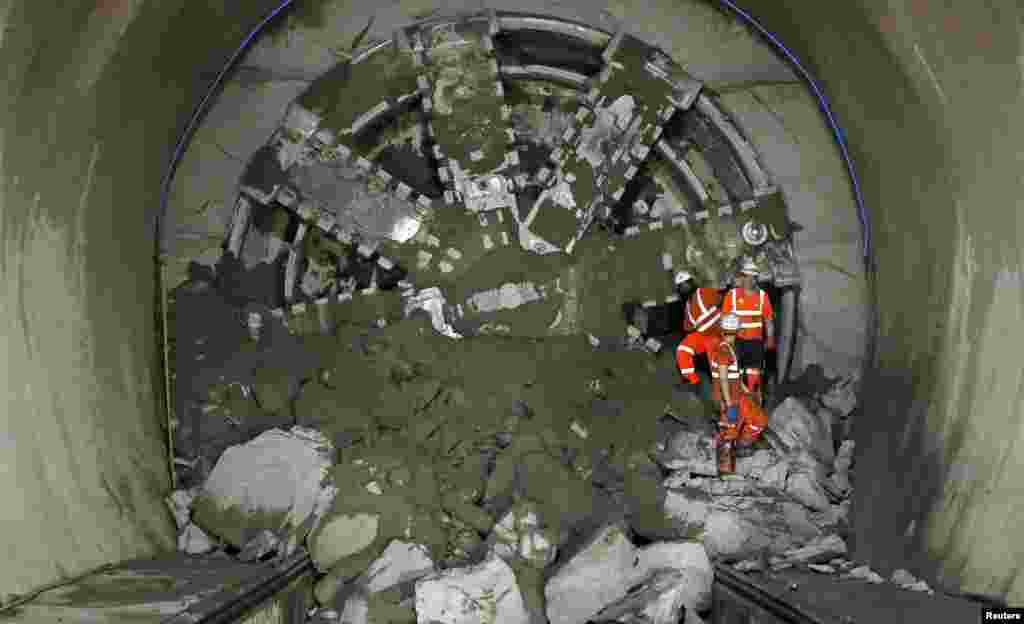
(730, 322)
(682, 277)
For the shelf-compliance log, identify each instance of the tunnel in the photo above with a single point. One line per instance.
(888, 129)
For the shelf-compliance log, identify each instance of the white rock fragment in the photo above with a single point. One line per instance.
(598, 575)
(803, 487)
(488, 243)
(749, 565)
(519, 535)
(194, 541)
(686, 511)
(374, 488)
(657, 599)
(579, 430)
(278, 474)
(799, 428)
(842, 397)
(445, 266)
(822, 568)
(453, 253)
(754, 465)
(340, 536)
(423, 259)
(594, 342)
(867, 574)
(691, 560)
(356, 609)
(482, 593)
(180, 504)
(400, 562)
(692, 453)
(901, 577)
(816, 551)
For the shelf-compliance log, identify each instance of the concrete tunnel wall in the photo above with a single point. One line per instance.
(96, 94)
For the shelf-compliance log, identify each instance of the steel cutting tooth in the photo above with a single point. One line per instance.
(467, 113)
(650, 77)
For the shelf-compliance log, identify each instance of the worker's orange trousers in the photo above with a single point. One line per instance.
(750, 423)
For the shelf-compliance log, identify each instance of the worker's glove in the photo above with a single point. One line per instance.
(731, 415)
(770, 342)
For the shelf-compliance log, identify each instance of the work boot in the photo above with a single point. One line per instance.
(726, 458)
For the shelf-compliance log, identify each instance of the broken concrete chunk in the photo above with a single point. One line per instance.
(341, 536)
(180, 504)
(902, 577)
(691, 560)
(597, 576)
(688, 511)
(807, 490)
(274, 482)
(842, 397)
(775, 475)
(867, 574)
(817, 550)
(578, 429)
(822, 568)
(483, 593)
(692, 453)
(749, 565)
(400, 562)
(260, 546)
(754, 465)
(194, 541)
(799, 428)
(520, 535)
(657, 599)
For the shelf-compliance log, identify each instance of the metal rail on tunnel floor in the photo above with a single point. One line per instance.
(739, 600)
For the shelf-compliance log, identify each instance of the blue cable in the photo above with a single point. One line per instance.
(837, 131)
(197, 114)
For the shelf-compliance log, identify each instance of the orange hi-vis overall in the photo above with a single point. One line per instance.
(751, 420)
(701, 321)
(753, 308)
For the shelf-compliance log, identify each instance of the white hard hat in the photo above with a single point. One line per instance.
(730, 322)
(682, 276)
(749, 268)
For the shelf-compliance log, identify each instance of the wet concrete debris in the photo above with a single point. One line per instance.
(275, 482)
(486, 592)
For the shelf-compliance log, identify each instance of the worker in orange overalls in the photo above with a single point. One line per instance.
(700, 324)
(741, 419)
(752, 306)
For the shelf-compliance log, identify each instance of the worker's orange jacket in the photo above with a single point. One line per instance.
(693, 345)
(753, 308)
(703, 311)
